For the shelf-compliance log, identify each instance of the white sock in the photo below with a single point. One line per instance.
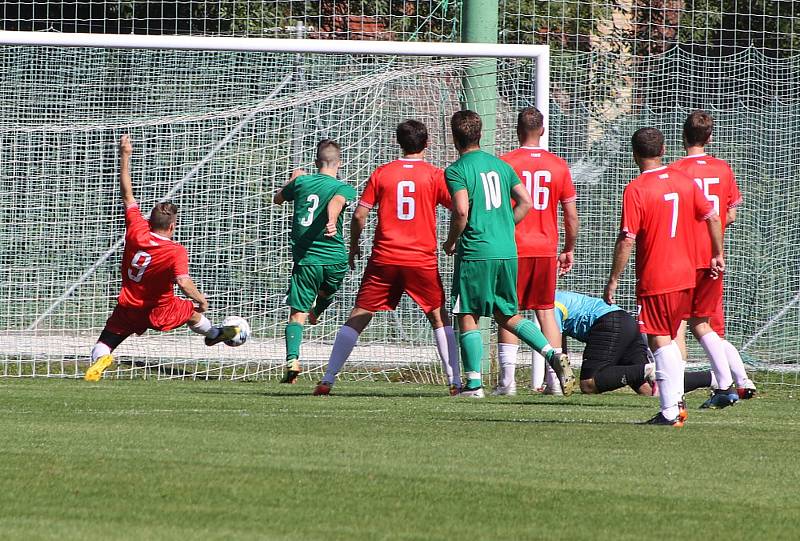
(550, 374)
(715, 351)
(537, 370)
(343, 346)
(669, 375)
(205, 328)
(99, 350)
(735, 363)
(452, 356)
(447, 347)
(507, 354)
(714, 381)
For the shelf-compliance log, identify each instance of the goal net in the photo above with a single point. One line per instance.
(217, 132)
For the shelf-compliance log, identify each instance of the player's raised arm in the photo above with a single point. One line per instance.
(284, 194)
(571, 226)
(125, 185)
(458, 220)
(523, 201)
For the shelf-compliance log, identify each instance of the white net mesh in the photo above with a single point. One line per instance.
(217, 133)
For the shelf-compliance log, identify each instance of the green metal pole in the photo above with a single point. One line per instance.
(479, 25)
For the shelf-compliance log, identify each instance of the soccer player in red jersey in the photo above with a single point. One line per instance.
(659, 209)
(716, 179)
(406, 192)
(549, 182)
(151, 263)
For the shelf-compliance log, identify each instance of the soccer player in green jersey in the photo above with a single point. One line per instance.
(318, 249)
(485, 277)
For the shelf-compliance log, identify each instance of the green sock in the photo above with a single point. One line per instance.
(321, 304)
(294, 335)
(471, 356)
(531, 335)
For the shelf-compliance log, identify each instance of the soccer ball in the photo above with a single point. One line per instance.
(244, 330)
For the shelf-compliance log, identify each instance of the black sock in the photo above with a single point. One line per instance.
(614, 377)
(695, 380)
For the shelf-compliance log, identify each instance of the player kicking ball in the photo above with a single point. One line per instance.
(485, 278)
(716, 179)
(658, 212)
(547, 179)
(615, 354)
(406, 192)
(318, 250)
(151, 263)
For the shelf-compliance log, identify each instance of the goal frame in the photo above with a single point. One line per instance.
(539, 53)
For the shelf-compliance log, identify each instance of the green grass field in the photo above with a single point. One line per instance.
(222, 460)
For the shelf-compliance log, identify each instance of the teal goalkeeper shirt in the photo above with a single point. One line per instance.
(576, 313)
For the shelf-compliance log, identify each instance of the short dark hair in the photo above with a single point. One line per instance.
(466, 126)
(529, 121)
(647, 143)
(412, 136)
(163, 215)
(697, 128)
(328, 151)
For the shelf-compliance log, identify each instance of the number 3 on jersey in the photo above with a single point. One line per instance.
(406, 206)
(535, 184)
(313, 204)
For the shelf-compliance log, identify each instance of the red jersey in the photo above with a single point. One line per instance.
(548, 180)
(150, 265)
(406, 192)
(659, 209)
(715, 178)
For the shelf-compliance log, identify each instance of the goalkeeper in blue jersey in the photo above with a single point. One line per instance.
(615, 354)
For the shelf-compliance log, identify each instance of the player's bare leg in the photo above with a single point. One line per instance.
(102, 358)
(529, 333)
(322, 302)
(294, 336)
(714, 347)
(680, 339)
(346, 340)
(670, 380)
(447, 347)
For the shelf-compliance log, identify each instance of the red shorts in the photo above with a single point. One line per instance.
(126, 320)
(536, 282)
(661, 315)
(707, 294)
(717, 320)
(384, 284)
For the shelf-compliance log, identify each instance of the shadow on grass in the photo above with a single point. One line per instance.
(580, 404)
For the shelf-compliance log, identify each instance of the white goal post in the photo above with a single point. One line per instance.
(217, 126)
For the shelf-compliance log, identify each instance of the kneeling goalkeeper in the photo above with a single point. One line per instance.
(615, 354)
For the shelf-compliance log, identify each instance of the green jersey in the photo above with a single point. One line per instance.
(311, 195)
(488, 181)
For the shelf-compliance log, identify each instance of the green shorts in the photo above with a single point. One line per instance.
(484, 287)
(308, 280)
